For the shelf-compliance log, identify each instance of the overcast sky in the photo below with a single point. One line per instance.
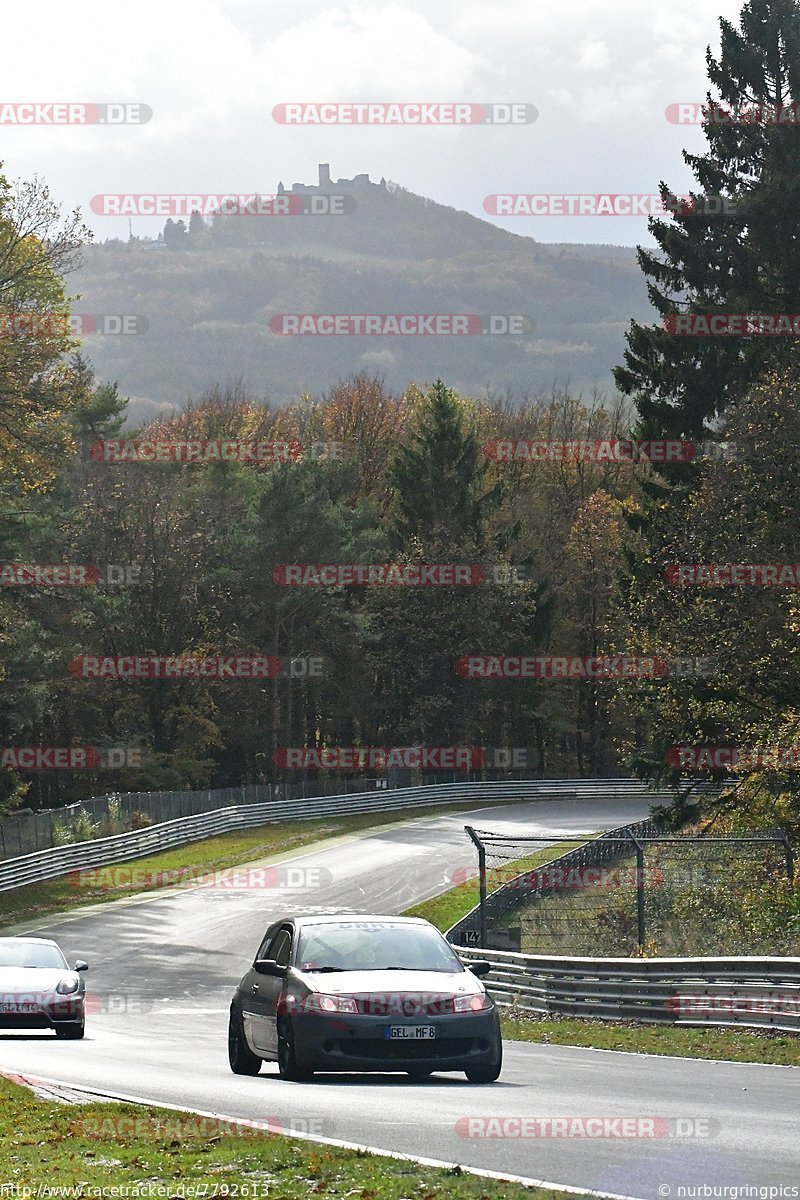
(600, 75)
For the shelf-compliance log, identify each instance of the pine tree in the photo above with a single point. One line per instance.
(745, 260)
(439, 476)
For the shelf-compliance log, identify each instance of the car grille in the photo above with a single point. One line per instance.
(404, 1051)
(25, 1021)
(405, 1004)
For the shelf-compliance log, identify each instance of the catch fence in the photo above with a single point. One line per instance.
(633, 890)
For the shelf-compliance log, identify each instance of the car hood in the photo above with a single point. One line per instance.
(364, 983)
(16, 980)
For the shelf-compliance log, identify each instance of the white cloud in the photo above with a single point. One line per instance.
(593, 54)
(212, 70)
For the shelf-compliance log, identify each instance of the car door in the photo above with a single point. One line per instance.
(251, 999)
(266, 991)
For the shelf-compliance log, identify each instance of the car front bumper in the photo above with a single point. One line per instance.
(48, 1013)
(340, 1042)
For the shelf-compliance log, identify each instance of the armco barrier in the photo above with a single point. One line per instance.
(27, 830)
(760, 993)
(60, 860)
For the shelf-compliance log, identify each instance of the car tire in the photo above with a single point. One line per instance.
(287, 1059)
(240, 1057)
(484, 1072)
(70, 1032)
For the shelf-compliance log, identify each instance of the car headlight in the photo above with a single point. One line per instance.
(331, 1004)
(474, 1003)
(68, 985)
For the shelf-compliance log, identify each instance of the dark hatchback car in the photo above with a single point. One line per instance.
(363, 993)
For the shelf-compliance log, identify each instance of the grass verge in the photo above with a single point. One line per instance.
(105, 1145)
(188, 862)
(730, 1045)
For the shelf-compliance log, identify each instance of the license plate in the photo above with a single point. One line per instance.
(19, 1008)
(409, 1032)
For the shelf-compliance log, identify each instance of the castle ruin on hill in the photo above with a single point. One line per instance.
(326, 184)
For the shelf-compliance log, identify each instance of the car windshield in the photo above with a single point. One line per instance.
(366, 946)
(15, 953)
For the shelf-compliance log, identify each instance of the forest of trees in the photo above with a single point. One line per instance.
(408, 476)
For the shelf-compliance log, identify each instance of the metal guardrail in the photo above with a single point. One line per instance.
(62, 860)
(759, 993)
(27, 830)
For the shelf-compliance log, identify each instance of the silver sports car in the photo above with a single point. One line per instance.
(38, 988)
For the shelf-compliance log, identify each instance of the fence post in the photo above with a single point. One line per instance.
(482, 883)
(640, 916)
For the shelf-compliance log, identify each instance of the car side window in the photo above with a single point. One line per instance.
(269, 938)
(281, 948)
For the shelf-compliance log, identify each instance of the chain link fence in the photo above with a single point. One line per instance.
(635, 890)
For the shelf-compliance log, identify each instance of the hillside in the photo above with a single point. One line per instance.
(208, 297)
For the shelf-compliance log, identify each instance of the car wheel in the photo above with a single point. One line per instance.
(287, 1060)
(242, 1060)
(485, 1072)
(71, 1032)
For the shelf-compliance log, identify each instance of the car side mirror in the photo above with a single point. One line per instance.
(80, 965)
(268, 966)
(480, 967)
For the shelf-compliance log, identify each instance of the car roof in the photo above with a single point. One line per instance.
(37, 941)
(348, 919)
